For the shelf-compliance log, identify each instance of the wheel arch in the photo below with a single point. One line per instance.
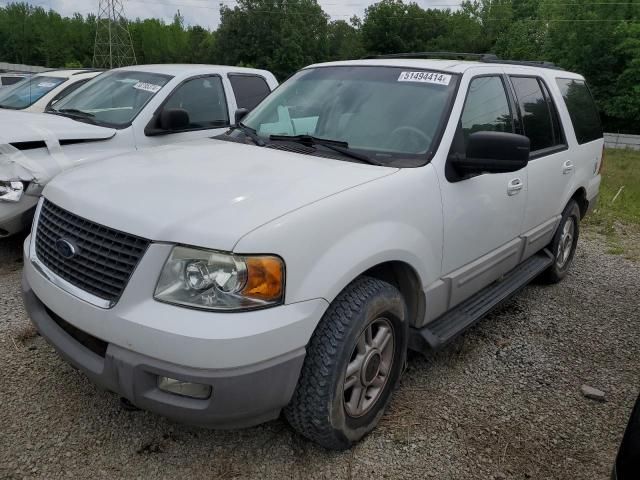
(405, 278)
(580, 197)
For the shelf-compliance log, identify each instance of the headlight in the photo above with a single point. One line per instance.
(11, 191)
(218, 281)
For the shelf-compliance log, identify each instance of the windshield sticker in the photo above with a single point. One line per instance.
(425, 77)
(47, 84)
(147, 87)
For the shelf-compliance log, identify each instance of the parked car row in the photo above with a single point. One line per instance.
(120, 110)
(288, 263)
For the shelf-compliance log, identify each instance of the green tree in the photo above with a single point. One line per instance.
(344, 40)
(282, 35)
(624, 103)
(392, 26)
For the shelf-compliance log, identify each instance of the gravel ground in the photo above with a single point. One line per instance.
(502, 402)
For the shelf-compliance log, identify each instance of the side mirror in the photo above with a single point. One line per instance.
(240, 114)
(174, 119)
(493, 152)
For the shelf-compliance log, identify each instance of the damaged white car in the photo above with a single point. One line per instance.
(121, 110)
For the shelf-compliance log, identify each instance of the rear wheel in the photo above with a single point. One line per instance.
(564, 244)
(354, 361)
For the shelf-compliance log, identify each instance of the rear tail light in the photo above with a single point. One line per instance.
(601, 161)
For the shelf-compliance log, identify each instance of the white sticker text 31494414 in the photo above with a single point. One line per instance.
(425, 77)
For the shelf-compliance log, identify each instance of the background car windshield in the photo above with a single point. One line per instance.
(28, 91)
(384, 111)
(114, 98)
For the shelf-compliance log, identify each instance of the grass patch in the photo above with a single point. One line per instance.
(617, 215)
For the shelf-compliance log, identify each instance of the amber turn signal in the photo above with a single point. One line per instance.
(265, 278)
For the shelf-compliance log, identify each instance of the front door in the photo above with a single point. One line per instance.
(483, 215)
(203, 99)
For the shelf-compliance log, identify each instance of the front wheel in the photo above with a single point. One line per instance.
(564, 244)
(354, 361)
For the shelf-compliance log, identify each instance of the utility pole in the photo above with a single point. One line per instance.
(113, 46)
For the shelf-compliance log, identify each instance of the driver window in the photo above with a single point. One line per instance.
(486, 108)
(204, 100)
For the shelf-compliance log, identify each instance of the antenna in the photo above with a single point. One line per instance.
(113, 46)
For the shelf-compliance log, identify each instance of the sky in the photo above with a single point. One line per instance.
(206, 12)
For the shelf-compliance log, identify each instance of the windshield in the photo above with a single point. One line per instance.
(113, 98)
(386, 112)
(27, 92)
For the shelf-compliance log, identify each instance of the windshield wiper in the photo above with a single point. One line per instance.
(249, 132)
(335, 145)
(74, 112)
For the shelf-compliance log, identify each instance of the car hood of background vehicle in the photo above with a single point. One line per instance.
(25, 127)
(207, 193)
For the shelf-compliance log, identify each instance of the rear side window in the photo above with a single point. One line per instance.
(11, 80)
(582, 109)
(486, 107)
(249, 90)
(539, 115)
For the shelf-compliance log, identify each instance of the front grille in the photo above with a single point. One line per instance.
(104, 259)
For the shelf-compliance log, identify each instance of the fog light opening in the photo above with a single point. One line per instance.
(184, 389)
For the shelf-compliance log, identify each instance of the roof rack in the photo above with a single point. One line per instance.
(480, 57)
(453, 55)
(526, 63)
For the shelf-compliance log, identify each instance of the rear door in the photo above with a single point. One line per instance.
(550, 167)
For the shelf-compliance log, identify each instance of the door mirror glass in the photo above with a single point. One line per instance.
(174, 119)
(493, 152)
(240, 114)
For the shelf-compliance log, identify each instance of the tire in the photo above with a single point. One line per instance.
(325, 408)
(563, 247)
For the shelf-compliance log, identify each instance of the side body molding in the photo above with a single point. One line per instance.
(455, 287)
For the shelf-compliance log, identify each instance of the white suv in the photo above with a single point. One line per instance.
(363, 208)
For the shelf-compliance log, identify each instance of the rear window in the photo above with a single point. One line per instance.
(249, 90)
(582, 109)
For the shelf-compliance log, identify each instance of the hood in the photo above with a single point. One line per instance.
(23, 127)
(22, 132)
(207, 193)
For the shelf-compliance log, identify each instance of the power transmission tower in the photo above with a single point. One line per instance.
(113, 47)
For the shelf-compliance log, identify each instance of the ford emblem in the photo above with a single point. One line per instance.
(66, 248)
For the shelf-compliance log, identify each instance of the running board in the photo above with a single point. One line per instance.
(445, 328)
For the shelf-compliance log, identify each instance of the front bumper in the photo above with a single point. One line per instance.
(16, 217)
(252, 360)
(241, 397)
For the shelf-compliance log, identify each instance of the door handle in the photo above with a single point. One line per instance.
(567, 167)
(514, 186)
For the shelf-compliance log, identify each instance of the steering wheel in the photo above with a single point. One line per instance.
(414, 132)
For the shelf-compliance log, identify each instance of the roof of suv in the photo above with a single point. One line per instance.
(447, 65)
